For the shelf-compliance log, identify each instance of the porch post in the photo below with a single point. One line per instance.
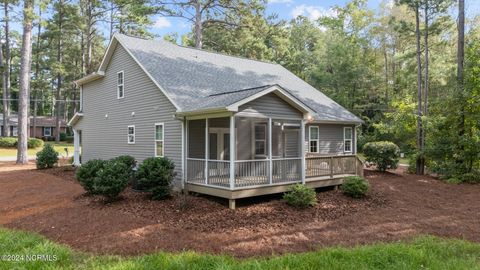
(270, 162)
(206, 150)
(76, 148)
(302, 148)
(232, 151)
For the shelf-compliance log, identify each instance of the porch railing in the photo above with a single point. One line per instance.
(250, 173)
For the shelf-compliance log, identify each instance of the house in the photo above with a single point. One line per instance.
(154, 98)
(45, 126)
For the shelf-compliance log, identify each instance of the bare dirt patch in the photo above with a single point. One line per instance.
(399, 206)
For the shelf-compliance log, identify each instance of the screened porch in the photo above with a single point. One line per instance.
(239, 152)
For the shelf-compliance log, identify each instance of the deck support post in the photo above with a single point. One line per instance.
(331, 167)
(76, 148)
(206, 151)
(270, 162)
(302, 150)
(231, 204)
(232, 153)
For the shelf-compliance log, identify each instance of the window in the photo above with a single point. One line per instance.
(260, 139)
(159, 140)
(347, 139)
(313, 140)
(47, 131)
(14, 131)
(120, 85)
(131, 135)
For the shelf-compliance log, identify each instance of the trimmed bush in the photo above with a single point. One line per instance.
(8, 142)
(35, 143)
(156, 175)
(87, 172)
(112, 179)
(301, 196)
(385, 155)
(126, 159)
(47, 157)
(63, 136)
(355, 186)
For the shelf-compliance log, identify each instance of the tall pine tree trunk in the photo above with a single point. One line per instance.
(420, 164)
(198, 24)
(37, 73)
(59, 75)
(6, 73)
(25, 66)
(460, 64)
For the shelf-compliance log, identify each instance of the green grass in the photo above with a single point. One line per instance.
(422, 253)
(59, 147)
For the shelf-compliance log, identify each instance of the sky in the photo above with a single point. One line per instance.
(289, 9)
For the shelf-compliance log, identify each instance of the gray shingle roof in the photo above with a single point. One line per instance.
(197, 79)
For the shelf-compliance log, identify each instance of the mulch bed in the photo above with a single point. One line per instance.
(399, 206)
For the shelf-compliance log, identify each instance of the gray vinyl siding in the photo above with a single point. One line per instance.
(331, 138)
(270, 105)
(105, 120)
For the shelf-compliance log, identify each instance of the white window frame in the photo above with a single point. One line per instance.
(14, 131)
(157, 140)
(310, 140)
(264, 140)
(128, 134)
(121, 84)
(345, 140)
(45, 128)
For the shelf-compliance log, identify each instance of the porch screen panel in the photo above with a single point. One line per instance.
(252, 138)
(196, 139)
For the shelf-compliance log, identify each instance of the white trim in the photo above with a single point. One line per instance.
(345, 139)
(254, 146)
(128, 134)
(121, 84)
(43, 131)
(302, 150)
(315, 140)
(184, 162)
(162, 140)
(233, 147)
(74, 119)
(81, 98)
(292, 100)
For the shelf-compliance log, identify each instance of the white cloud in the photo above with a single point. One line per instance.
(162, 22)
(280, 1)
(312, 12)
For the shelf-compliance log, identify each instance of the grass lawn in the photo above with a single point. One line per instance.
(59, 147)
(423, 253)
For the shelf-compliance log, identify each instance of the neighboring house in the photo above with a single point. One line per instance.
(45, 126)
(154, 98)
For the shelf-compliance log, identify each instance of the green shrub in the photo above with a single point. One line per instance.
(470, 178)
(301, 196)
(355, 186)
(87, 172)
(383, 154)
(8, 142)
(69, 139)
(112, 179)
(34, 143)
(126, 159)
(156, 175)
(47, 157)
(453, 181)
(63, 136)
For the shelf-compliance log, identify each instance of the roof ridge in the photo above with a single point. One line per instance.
(203, 50)
(241, 90)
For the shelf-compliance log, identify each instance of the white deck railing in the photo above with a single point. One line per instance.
(252, 173)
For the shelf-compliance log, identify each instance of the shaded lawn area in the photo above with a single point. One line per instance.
(59, 147)
(426, 252)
